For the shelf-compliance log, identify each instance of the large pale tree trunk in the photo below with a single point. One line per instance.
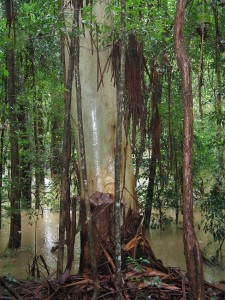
(99, 117)
(99, 114)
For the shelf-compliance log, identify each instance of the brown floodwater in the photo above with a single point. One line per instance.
(42, 235)
(168, 246)
(39, 235)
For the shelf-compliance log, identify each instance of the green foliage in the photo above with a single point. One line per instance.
(162, 221)
(153, 281)
(10, 278)
(137, 264)
(213, 220)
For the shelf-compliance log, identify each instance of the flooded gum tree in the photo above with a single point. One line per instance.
(98, 91)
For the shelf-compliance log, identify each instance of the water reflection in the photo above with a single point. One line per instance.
(43, 235)
(168, 246)
(38, 237)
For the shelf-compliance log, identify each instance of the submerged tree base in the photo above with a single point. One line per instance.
(143, 275)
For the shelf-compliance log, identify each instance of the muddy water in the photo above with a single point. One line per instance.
(43, 235)
(168, 246)
(39, 235)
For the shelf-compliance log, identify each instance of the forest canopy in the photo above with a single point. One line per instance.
(54, 57)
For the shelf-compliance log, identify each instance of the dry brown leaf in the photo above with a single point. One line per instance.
(128, 275)
(109, 258)
(152, 272)
(131, 244)
(81, 282)
(170, 287)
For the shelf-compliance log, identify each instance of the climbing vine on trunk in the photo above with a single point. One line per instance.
(191, 246)
(64, 223)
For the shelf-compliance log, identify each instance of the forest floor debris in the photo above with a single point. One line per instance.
(143, 275)
(138, 283)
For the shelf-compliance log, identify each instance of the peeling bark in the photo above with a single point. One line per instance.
(100, 116)
(191, 246)
(97, 102)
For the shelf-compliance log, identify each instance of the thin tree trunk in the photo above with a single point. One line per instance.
(159, 202)
(177, 182)
(15, 220)
(150, 190)
(156, 131)
(83, 155)
(1, 169)
(55, 148)
(25, 162)
(64, 223)
(56, 167)
(201, 64)
(39, 149)
(71, 238)
(38, 134)
(219, 137)
(169, 119)
(191, 246)
(119, 126)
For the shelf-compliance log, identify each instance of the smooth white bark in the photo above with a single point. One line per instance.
(99, 117)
